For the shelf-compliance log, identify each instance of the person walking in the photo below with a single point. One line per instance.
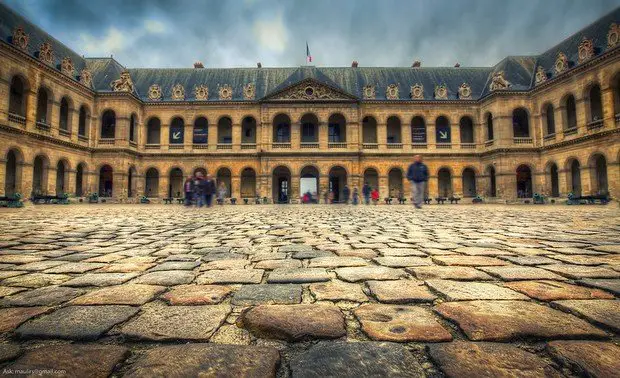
(356, 196)
(221, 193)
(199, 189)
(375, 196)
(209, 190)
(346, 193)
(188, 188)
(366, 193)
(418, 175)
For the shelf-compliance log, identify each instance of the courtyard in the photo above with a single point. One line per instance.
(310, 290)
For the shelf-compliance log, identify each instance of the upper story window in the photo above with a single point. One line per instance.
(17, 97)
(520, 123)
(83, 121)
(108, 124)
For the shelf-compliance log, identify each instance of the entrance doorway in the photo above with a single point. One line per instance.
(309, 183)
(337, 182)
(281, 183)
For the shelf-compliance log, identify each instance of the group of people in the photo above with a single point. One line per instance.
(200, 190)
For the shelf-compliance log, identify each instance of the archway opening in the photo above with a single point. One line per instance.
(131, 182)
(520, 123)
(571, 113)
(281, 183)
(394, 130)
(248, 128)
(224, 131)
(224, 178)
(175, 183)
(443, 133)
(524, 182)
(395, 183)
(337, 129)
(64, 115)
(575, 177)
(201, 131)
(151, 183)
(369, 130)
(309, 129)
(106, 181)
(248, 183)
(337, 182)
(599, 175)
(60, 178)
(445, 182)
(371, 177)
(11, 182)
(282, 129)
(466, 129)
(177, 131)
(550, 119)
(108, 124)
(133, 125)
(596, 104)
(153, 131)
(42, 106)
(309, 183)
(469, 183)
(492, 182)
(490, 135)
(418, 130)
(39, 173)
(79, 180)
(554, 181)
(17, 97)
(82, 122)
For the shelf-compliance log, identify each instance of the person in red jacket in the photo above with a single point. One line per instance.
(374, 195)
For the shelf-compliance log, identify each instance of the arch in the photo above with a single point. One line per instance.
(64, 121)
(524, 181)
(248, 130)
(520, 123)
(281, 128)
(615, 85)
(153, 131)
(570, 112)
(394, 130)
(309, 124)
(492, 188)
(40, 174)
(177, 131)
(395, 183)
(44, 99)
(337, 128)
(106, 181)
(369, 130)
(248, 183)
(371, 177)
(281, 184)
(595, 103)
(83, 121)
(549, 118)
(133, 127)
(175, 183)
(443, 133)
(309, 179)
(337, 182)
(466, 129)
(80, 171)
(444, 182)
(13, 172)
(17, 95)
(224, 130)
(598, 173)
(552, 179)
(151, 182)
(201, 131)
(469, 182)
(573, 171)
(224, 177)
(418, 130)
(489, 121)
(108, 124)
(62, 178)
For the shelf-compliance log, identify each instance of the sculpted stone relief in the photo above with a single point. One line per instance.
(201, 92)
(392, 92)
(178, 92)
(46, 53)
(441, 92)
(310, 91)
(66, 66)
(20, 38)
(154, 92)
(123, 84)
(561, 63)
(225, 92)
(417, 92)
(369, 92)
(465, 92)
(586, 50)
(498, 82)
(249, 91)
(613, 36)
(541, 75)
(86, 78)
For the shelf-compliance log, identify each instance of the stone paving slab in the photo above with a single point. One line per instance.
(128, 294)
(338, 291)
(44, 296)
(591, 358)
(249, 295)
(194, 295)
(400, 291)
(610, 285)
(10, 318)
(601, 311)
(554, 290)
(231, 276)
(465, 291)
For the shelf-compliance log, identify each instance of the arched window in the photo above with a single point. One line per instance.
(177, 131)
(369, 130)
(490, 135)
(64, 115)
(108, 124)
(201, 131)
(153, 131)
(281, 129)
(309, 128)
(83, 121)
(248, 128)
(466, 129)
(520, 123)
(224, 131)
(132, 127)
(442, 130)
(570, 112)
(337, 129)
(598, 174)
(596, 105)
(418, 130)
(393, 130)
(17, 97)
(79, 180)
(42, 107)
(550, 120)
(61, 178)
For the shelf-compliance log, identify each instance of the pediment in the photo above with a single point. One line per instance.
(310, 90)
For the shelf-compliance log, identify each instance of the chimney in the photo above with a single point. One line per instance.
(416, 64)
(354, 64)
(199, 65)
(457, 65)
(259, 65)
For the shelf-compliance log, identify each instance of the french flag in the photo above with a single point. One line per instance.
(308, 56)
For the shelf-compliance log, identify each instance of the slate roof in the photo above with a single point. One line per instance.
(518, 70)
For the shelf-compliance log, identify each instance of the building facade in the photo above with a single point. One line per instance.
(544, 124)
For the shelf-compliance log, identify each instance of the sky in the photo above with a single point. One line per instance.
(376, 33)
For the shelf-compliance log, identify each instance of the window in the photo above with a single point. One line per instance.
(108, 124)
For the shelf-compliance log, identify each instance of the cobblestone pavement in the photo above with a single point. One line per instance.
(310, 291)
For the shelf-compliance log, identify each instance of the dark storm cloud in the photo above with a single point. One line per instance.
(168, 33)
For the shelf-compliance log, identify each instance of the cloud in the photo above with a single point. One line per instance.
(271, 34)
(154, 26)
(112, 42)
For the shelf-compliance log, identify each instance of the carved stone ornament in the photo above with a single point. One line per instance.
(613, 36)
(46, 53)
(541, 75)
(66, 66)
(86, 78)
(586, 50)
(465, 92)
(249, 91)
(178, 92)
(20, 38)
(561, 63)
(369, 92)
(123, 84)
(201, 92)
(154, 92)
(498, 82)
(392, 92)
(441, 92)
(417, 92)
(225, 92)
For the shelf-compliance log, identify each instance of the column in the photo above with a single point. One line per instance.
(31, 108)
(455, 134)
(563, 183)
(139, 179)
(163, 188)
(295, 135)
(74, 123)
(323, 187)
(384, 190)
(212, 138)
(503, 129)
(406, 134)
(353, 135)
(294, 195)
(323, 136)
(586, 182)
(608, 107)
(431, 138)
(433, 186)
(121, 134)
(2, 176)
(165, 135)
(457, 186)
(51, 181)
(70, 180)
(613, 179)
(119, 185)
(236, 137)
(583, 114)
(54, 118)
(25, 187)
(4, 105)
(188, 132)
(235, 189)
(506, 185)
(382, 135)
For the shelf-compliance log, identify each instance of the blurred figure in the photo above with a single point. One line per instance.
(356, 196)
(346, 193)
(188, 188)
(418, 175)
(209, 190)
(375, 196)
(366, 190)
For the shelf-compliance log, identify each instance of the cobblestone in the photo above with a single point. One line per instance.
(258, 282)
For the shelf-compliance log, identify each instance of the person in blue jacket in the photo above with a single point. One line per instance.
(418, 175)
